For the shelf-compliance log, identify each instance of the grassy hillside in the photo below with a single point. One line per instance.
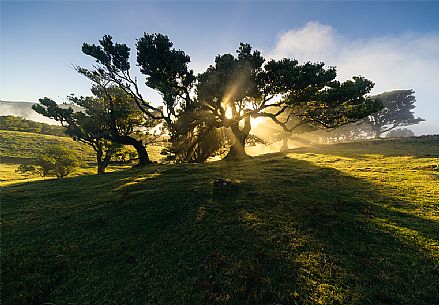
(342, 224)
(17, 146)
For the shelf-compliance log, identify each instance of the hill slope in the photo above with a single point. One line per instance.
(340, 224)
(21, 147)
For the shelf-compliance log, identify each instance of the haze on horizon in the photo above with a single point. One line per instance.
(394, 44)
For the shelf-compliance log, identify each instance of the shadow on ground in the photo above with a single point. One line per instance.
(284, 232)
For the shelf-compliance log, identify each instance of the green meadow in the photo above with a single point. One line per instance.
(352, 223)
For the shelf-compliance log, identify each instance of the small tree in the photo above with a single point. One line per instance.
(397, 112)
(109, 119)
(55, 161)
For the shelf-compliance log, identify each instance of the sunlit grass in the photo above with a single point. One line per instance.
(342, 224)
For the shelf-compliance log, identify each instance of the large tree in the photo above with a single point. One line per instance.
(109, 119)
(397, 112)
(238, 89)
(229, 94)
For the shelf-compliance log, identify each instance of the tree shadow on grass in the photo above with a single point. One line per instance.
(285, 232)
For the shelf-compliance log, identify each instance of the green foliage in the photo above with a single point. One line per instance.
(290, 94)
(26, 169)
(55, 161)
(109, 119)
(241, 84)
(194, 140)
(124, 154)
(16, 123)
(18, 148)
(333, 224)
(165, 68)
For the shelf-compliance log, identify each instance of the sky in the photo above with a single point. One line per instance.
(394, 44)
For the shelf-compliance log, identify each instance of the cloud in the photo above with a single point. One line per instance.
(405, 61)
(24, 110)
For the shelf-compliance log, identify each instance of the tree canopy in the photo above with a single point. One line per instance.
(165, 69)
(55, 161)
(238, 89)
(204, 112)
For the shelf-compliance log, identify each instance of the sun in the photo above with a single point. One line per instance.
(254, 121)
(229, 112)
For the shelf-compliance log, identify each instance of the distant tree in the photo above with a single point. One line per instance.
(346, 133)
(55, 161)
(109, 119)
(274, 132)
(397, 112)
(400, 133)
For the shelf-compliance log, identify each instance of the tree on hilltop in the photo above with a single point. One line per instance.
(238, 89)
(199, 111)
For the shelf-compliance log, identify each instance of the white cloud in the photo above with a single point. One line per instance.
(406, 61)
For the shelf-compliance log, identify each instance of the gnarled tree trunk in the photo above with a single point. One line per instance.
(237, 150)
(103, 163)
(138, 146)
(143, 154)
(102, 160)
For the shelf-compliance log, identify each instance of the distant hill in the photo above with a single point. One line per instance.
(24, 109)
(21, 147)
(17, 123)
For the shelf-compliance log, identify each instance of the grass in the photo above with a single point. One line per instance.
(18, 147)
(21, 147)
(342, 224)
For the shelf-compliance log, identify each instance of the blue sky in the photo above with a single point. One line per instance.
(397, 41)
